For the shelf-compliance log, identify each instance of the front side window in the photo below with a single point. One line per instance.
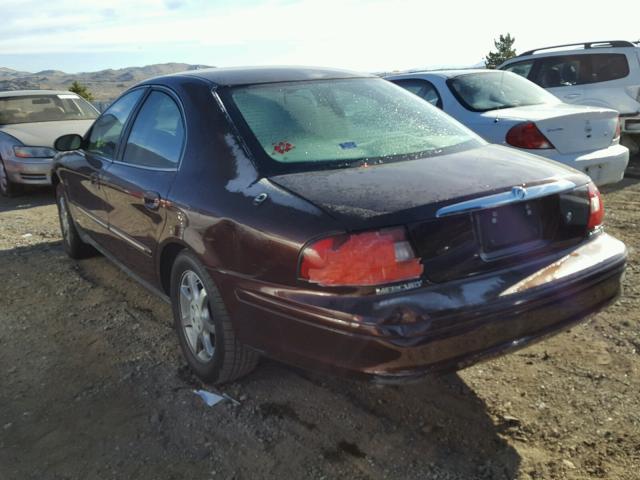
(107, 130)
(310, 125)
(157, 134)
(45, 108)
(482, 92)
(422, 88)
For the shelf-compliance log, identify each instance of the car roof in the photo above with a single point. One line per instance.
(440, 73)
(615, 46)
(26, 93)
(233, 76)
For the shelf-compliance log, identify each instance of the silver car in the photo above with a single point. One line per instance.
(30, 121)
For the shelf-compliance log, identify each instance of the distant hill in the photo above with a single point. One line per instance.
(105, 85)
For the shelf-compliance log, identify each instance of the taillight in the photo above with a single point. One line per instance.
(361, 259)
(616, 135)
(526, 135)
(596, 207)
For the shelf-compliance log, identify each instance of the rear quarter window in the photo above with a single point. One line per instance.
(606, 67)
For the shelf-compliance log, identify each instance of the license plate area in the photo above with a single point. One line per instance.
(509, 229)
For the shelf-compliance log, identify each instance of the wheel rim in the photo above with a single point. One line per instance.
(197, 325)
(64, 219)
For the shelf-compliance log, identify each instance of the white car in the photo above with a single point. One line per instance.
(30, 121)
(601, 74)
(505, 108)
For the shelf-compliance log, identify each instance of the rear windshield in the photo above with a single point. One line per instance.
(338, 123)
(481, 92)
(45, 108)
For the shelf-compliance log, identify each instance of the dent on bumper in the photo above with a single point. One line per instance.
(432, 328)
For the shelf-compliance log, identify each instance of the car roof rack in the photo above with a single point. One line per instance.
(603, 44)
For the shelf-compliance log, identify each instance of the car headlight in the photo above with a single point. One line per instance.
(33, 152)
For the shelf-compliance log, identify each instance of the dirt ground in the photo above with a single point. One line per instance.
(92, 385)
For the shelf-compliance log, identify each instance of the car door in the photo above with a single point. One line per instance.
(83, 187)
(137, 183)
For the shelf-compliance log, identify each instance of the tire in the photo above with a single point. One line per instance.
(73, 244)
(7, 187)
(204, 329)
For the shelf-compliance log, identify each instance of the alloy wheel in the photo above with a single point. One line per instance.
(195, 315)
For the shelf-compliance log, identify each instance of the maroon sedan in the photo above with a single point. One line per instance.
(333, 221)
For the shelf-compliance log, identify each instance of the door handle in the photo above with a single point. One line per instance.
(572, 95)
(93, 178)
(151, 200)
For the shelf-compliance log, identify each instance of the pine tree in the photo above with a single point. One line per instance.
(81, 90)
(504, 51)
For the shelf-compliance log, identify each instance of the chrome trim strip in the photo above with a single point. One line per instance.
(144, 167)
(91, 216)
(516, 194)
(134, 243)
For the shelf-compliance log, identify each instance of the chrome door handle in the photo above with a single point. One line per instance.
(151, 200)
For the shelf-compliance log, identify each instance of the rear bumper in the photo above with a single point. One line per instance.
(29, 172)
(432, 328)
(604, 166)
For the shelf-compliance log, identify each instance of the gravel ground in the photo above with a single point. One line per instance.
(92, 385)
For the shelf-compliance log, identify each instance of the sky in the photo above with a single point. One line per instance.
(366, 35)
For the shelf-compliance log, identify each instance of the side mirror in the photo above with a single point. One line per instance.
(69, 142)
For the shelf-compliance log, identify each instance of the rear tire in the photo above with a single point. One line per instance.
(207, 338)
(7, 187)
(73, 244)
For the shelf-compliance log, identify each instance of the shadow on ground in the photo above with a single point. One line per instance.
(94, 386)
(32, 197)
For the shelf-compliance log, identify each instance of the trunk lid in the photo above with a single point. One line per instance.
(463, 243)
(402, 192)
(570, 128)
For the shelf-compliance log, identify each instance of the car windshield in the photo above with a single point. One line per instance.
(338, 123)
(482, 92)
(45, 108)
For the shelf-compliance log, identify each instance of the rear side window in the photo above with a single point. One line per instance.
(157, 134)
(107, 130)
(422, 88)
(563, 71)
(521, 68)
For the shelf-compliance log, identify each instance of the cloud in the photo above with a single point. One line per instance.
(359, 34)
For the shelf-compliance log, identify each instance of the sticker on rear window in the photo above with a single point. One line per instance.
(347, 145)
(67, 95)
(282, 147)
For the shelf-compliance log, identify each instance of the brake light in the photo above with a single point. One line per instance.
(616, 135)
(369, 258)
(526, 135)
(596, 207)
